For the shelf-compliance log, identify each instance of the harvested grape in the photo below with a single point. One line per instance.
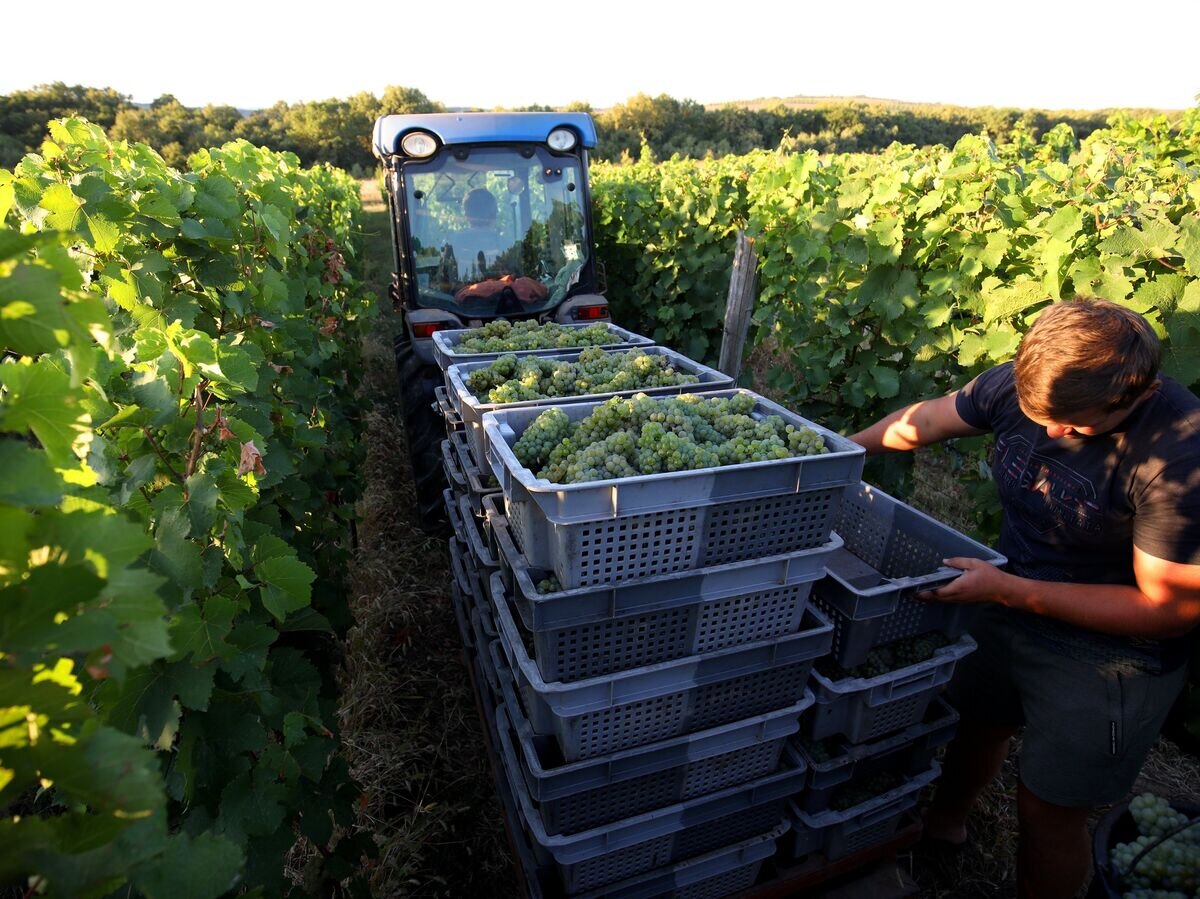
(623, 437)
(513, 380)
(503, 336)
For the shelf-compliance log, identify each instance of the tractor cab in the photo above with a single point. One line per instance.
(491, 218)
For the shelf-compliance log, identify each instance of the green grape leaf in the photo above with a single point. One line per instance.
(109, 770)
(287, 584)
(193, 684)
(1189, 243)
(1064, 224)
(30, 624)
(175, 556)
(26, 477)
(146, 707)
(33, 319)
(204, 866)
(886, 381)
(64, 207)
(202, 632)
(41, 399)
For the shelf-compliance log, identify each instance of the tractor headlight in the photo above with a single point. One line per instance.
(419, 144)
(561, 140)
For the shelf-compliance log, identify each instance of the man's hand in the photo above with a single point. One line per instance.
(979, 582)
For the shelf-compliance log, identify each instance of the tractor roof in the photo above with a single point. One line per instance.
(480, 128)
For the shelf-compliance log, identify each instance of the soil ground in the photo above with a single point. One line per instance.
(409, 721)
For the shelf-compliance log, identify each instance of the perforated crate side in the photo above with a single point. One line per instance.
(892, 551)
(906, 752)
(591, 650)
(653, 839)
(679, 539)
(670, 772)
(654, 702)
(601, 603)
(862, 709)
(853, 639)
(714, 874)
(836, 834)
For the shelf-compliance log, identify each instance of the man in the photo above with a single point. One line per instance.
(1085, 639)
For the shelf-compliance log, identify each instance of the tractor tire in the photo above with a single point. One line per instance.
(424, 431)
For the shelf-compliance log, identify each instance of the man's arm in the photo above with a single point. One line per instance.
(923, 423)
(1165, 602)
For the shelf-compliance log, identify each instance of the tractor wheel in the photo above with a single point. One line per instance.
(424, 430)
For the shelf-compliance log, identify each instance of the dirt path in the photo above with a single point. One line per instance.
(408, 716)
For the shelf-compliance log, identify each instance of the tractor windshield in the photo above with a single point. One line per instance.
(495, 230)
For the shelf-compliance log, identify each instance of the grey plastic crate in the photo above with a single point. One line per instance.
(445, 345)
(472, 535)
(587, 632)
(470, 409)
(907, 752)
(446, 410)
(862, 709)
(837, 834)
(710, 876)
(892, 551)
(619, 711)
(453, 468)
(479, 483)
(853, 639)
(621, 529)
(461, 598)
(576, 796)
(664, 836)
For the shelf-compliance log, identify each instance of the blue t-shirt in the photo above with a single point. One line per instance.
(1074, 507)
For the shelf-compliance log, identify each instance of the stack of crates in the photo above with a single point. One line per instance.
(657, 720)
(869, 741)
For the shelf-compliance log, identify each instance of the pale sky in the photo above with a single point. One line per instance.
(1050, 54)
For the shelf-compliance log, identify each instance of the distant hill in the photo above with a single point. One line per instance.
(812, 102)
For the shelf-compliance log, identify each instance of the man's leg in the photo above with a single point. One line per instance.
(1053, 852)
(973, 759)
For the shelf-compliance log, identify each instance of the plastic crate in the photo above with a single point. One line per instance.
(445, 344)
(470, 409)
(710, 876)
(618, 711)
(908, 752)
(664, 836)
(447, 411)
(453, 468)
(588, 632)
(836, 834)
(474, 477)
(601, 532)
(891, 552)
(471, 534)
(576, 796)
(461, 597)
(862, 709)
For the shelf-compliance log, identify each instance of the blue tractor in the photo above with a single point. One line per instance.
(491, 218)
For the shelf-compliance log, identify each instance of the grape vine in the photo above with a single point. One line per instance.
(177, 457)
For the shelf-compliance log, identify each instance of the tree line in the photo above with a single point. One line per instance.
(338, 131)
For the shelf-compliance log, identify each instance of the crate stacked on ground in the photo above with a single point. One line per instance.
(869, 740)
(468, 483)
(654, 641)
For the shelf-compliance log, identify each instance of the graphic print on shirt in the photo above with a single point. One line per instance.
(1046, 493)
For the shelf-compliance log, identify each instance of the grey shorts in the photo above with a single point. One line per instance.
(1089, 722)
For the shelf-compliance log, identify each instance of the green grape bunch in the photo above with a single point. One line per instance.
(1170, 869)
(503, 336)
(862, 790)
(625, 437)
(513, 380)
(888, 657)
(549, 584)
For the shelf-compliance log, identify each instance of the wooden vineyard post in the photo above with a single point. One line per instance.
(743, 286)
